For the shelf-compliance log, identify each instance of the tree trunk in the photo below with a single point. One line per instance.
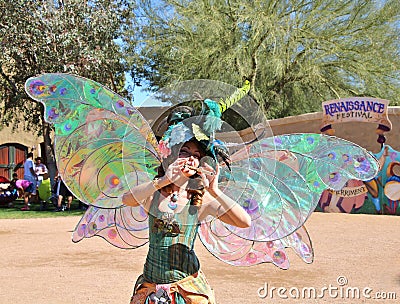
(49, 150)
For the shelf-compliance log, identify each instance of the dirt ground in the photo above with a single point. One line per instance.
(40, 264)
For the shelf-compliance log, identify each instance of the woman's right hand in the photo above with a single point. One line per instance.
(174, 172)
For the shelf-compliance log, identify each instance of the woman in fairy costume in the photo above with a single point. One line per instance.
(180, 196)
(107, 153)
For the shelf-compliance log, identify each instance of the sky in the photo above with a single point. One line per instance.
(141, 96)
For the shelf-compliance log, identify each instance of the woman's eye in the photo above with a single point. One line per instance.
(184, 154)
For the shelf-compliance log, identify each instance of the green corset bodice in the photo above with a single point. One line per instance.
(171, 256)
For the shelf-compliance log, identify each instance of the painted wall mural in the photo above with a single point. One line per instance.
(380, 195)
(384, 189)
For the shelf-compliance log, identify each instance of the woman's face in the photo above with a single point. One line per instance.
(192, 153)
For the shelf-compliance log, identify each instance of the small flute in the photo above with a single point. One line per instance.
(199, 170)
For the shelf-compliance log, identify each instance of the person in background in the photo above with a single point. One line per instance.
(44, 191)
(61, 191)
(40, 170)
(14, 180)
(20, 184)
(30, 176)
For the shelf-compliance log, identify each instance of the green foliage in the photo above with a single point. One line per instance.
(70, 36)
(296, 53)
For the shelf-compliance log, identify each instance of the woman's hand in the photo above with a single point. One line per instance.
(210, 179)
(174, 172)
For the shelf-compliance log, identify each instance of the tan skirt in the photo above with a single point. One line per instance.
(193, 289)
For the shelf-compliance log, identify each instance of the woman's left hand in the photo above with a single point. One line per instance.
(210, 178)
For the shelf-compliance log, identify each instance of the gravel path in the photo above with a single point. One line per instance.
(40, 264)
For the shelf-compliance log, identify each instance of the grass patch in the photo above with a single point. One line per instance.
(14, 211)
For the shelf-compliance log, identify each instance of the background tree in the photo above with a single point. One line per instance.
(297, 53)
(69, 36)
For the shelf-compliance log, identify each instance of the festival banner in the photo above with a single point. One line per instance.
(350, 191)
(363, 109)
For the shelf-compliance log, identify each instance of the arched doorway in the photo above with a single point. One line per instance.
(12, 156)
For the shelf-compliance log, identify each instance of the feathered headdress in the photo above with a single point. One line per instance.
(182, 126)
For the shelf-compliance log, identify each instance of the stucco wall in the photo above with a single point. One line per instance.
(7, 136)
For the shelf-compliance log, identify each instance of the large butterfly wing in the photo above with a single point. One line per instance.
(123, 227)
(102, 143)
(278, 181)
(103, 146)
(273, 194)
(234, 250)
(325, 161)
(281, 197)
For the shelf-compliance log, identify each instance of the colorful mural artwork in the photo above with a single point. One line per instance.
(380, 195)
(384, 189)
(350, 198)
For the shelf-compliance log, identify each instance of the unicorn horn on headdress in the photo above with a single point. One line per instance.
(213, 120)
